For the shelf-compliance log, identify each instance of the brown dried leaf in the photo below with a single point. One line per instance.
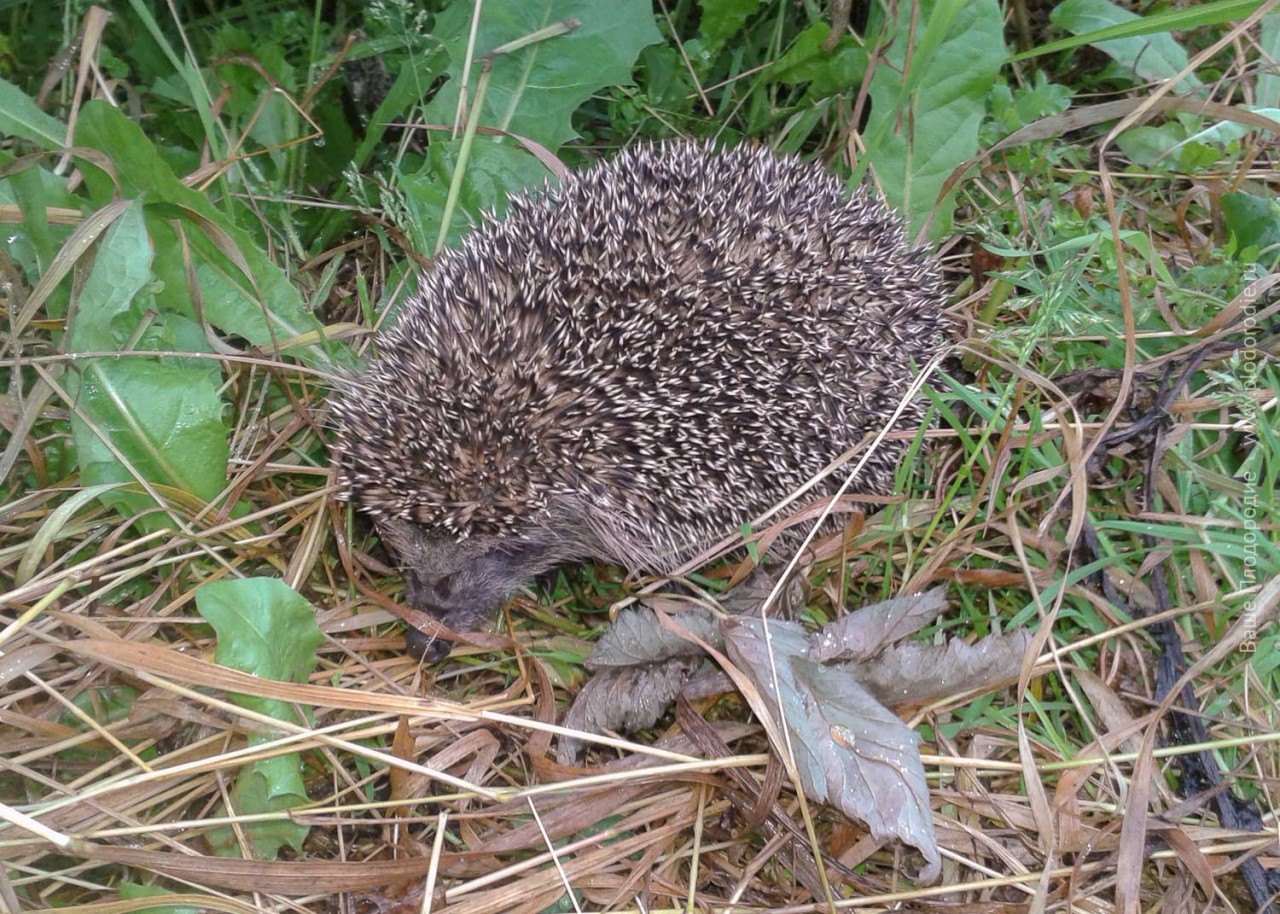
(1190, 855)
(748, 595)
(911, 674)
(637, 637)
(862, 634)
(402, 747)
(1112, 712)
(290, 877)
(15, 663)
(625, 699)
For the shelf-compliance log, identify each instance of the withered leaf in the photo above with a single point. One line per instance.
(914, 673)
(865, 632)
(850, 751)
(638, 637)
(625, 699)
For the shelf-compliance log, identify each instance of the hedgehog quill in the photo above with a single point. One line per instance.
(630, 365)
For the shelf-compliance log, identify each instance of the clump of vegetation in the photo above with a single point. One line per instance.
(208, 209)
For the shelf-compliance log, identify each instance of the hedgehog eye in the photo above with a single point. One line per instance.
(443, 586)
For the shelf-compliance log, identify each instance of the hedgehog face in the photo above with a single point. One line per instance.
(461, 583)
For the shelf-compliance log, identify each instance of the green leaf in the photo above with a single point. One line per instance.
(924, 119)
(494, 172)
(34, 242)
(1254, 222)
(163, 416)
(106, 705)
(1146, 145)
(121, 268)
(269, 785)
(534, 91)
(250, 296)
(723, 19)
(1193, 16)
(265, 628)
(1156, 58)
(21, 117)
(827, 72)
(1139, 240)
(1225, 132)
(1039, 98)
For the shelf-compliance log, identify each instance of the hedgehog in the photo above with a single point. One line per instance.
(630, 365)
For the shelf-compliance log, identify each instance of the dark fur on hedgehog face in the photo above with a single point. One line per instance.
(461, 583)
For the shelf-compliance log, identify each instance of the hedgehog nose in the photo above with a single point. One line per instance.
(424, 647)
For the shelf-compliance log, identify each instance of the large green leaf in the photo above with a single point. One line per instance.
(495, 170)
(827, 72)
(534, 91)
(269, 785)
(1194, 16)
(163, 417)
(33, 243)
(265, 628)
(21, 117)
(1254, 224)
(1151, 57)
(121, 268)
(925, 117)
(249, 296)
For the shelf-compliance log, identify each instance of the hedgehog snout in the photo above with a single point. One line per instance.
(460, 583)
(463, 599)
(457, 599)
